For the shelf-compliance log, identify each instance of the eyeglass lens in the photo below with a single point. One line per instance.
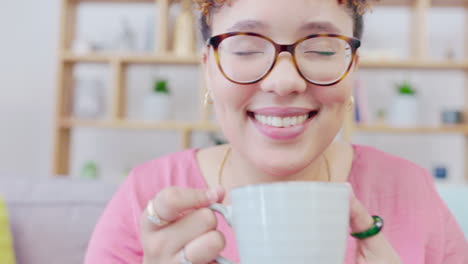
(321, 60)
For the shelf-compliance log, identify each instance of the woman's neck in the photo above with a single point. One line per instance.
(237, 171)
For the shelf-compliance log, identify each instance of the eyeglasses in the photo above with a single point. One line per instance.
(321, 59)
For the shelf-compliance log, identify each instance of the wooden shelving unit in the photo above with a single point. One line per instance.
(65, 123)
(211, 127)
(131, 59)
(458, 129)
(435, 3)
(140, 125)
(415, 64)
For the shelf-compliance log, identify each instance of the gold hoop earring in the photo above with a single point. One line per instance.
(351, 103)
(207, 101)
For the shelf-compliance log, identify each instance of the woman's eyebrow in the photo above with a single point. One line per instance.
(245, 25)
(319, 26)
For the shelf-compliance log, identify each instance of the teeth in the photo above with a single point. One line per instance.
(276, 121)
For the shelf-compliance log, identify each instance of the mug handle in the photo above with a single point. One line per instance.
(226, 212)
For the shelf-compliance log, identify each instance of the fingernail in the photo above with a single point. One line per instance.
(212, 195)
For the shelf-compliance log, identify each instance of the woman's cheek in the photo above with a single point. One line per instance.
(329, 96)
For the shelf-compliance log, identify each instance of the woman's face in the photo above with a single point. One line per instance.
(279, 151)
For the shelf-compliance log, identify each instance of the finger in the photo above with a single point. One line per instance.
(178, 234)
(171, 202)
(360, 221)
(205, 248)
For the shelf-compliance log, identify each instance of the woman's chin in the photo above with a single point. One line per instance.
(280, 171)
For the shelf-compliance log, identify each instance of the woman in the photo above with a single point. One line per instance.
(280, 107)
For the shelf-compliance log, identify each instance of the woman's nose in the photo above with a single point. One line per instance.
(284, 78)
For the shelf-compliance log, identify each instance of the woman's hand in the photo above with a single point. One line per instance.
(372, 250)
(191, 227)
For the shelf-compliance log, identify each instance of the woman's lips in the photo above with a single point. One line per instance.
(283, 133)
(283, 112)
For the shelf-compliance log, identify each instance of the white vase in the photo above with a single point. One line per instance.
(157, 107)
(89, 98)
(184, 31)
(404, 111)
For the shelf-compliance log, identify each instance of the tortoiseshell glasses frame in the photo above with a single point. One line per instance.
(353, 43)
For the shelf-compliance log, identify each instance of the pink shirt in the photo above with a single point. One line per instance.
(418, 224)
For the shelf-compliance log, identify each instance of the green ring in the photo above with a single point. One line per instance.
(374, 230)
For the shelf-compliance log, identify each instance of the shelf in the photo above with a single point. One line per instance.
(183, 125)
(420, 14)
(394, 2)
(414, 64)
(454, 3)
(450, 3)
(194, 60)
(462, 129)
(112, 1)
(435, 3)
(131, 59)
(139, 125)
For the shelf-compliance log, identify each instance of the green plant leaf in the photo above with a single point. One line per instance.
(160, 86)
(405, 88)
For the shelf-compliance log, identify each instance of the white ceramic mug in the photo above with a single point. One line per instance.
(289, 222)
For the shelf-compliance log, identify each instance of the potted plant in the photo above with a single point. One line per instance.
(157, 105)
(90, 170)
(404, 109)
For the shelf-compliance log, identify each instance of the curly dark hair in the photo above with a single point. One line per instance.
(356, 7)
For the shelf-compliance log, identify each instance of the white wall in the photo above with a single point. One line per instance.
(28, 48)
(28, 56)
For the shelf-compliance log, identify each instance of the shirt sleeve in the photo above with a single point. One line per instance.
(455, 243)
(116, 237)
(448, 238)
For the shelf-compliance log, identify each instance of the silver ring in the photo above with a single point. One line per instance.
(153, 217)
(182, 257)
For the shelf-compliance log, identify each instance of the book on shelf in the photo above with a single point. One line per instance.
(361, 106)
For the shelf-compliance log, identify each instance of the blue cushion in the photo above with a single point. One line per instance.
(456, 198)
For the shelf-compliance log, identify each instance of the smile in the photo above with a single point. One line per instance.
(281, 121)
(277, 121)
(282, 124)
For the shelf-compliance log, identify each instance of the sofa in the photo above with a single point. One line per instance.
(52, 219)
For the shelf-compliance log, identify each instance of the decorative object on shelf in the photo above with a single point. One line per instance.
(126, 37)
(361, 107)
(90, 170)
(184, 31)
(452, 117)
(157, 105)
(149, 34)
(440, 172)
(381, 117)
(450, 53)
(89, 98)
(404, 109)
(82, 46)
